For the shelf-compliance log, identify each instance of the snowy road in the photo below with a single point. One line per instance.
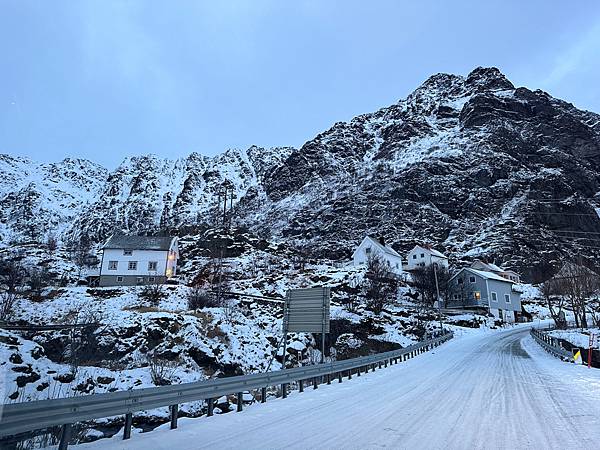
(493, 390)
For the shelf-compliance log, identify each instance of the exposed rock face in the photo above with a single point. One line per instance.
(470, 164)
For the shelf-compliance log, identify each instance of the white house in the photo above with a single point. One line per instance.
(489, 267)
(135, 260)
(424, 255)
(371, 246)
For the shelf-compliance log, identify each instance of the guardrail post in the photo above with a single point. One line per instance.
(350, 374)
(240, 401)
(358, 372)
(174, 411)
(315, 382)
(211, 407)
(127, 428)
(65, 436)
(339, 377)
(301, 385)
(283, 390)
(263, 395)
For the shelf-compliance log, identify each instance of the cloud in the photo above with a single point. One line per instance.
(580, 56)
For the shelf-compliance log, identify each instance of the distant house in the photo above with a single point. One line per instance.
(489, 267)
(425, 255)
(137, 260)
(371, 246)
(472, 288)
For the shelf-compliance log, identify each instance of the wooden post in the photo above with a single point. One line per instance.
(211, 407)
(301, 385)
(127, 428)
(240, 401)
(315, 382)
(65, 436)
(263, 395)
(350, 374)
(284, 390)
(328, 378)
(339, 377)
(174, 411)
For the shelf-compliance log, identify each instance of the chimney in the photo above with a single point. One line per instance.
(382, 240)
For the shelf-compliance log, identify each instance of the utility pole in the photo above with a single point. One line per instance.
(437, 289)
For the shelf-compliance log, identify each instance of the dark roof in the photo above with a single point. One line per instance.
(140, 242)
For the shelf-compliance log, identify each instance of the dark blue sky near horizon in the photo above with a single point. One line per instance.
(107, 79)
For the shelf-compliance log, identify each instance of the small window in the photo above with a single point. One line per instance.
(472, 279)
(494, 297)
(140, 280)
(507, 298)
(477, 295)
(459, 281)
(112, 265)
(119, 279)
(127, 252)
(132, 265)
(152, 266)
(415, 256)
(422, 255)
(151, 279)
(368, 250)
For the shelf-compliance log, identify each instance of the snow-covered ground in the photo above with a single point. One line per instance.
(579, 338)
(486, 389)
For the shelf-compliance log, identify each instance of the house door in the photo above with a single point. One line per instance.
(500, 314)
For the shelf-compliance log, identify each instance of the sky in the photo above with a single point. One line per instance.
(104, 79)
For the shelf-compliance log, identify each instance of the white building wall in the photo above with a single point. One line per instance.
(361, 256)
(143, 257)
(420, 257)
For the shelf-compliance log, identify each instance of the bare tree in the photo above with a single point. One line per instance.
(198, 298)
(12, 275)
(152, 293)
(555, 301)
(428, 280)
(380, 287)
(577, 283)
(51, 243)
(38, 281)
(161, 369)
(8, 299)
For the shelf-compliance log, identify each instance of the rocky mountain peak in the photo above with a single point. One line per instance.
(487, 79)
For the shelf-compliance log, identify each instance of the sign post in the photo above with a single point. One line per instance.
(591, 345)
(307, 311)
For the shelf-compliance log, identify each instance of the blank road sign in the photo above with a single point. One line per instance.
(307, 310)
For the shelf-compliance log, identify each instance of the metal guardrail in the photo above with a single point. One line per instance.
(550, 344)
(19, 418)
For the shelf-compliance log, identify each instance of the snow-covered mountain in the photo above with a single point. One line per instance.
(470, 164)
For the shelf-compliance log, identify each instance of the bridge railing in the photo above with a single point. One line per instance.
(550, 343)
(19, 418)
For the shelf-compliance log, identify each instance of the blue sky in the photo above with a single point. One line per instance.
(103, 80)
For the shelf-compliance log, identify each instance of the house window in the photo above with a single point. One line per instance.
(415, 256)
(112, 265)
(368, 250)
(151, 279)
(507, 298)
(132, 265)
(472, 279)
(127, 252)
(477, 295)
(152, 266)
(119, 279)
(494, 297)
(459, 281)
(140, 280)
(422, 255)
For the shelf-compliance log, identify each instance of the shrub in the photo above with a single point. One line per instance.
(198, 298)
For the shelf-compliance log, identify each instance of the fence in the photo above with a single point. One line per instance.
(550, 344)
(27, 417)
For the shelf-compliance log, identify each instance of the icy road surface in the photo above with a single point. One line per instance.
(488, 390)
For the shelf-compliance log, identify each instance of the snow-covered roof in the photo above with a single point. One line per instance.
(433, 251)
(384, 248)
(487, 267)
(139, 242)
(487, 275)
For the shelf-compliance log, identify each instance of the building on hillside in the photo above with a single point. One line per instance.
(138, 260)
(425, 255)
(489, 267)
(472, 288)
(371, 246)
